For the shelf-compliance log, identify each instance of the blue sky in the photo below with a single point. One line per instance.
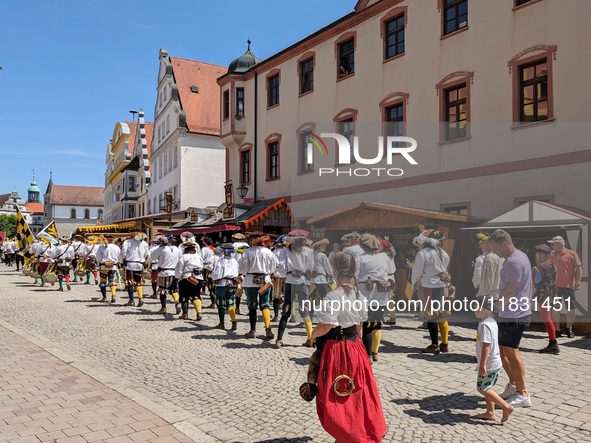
(73, 68)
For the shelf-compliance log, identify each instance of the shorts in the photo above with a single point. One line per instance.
(488, 381)
(134, 278)
(511, 330)
(568, 295)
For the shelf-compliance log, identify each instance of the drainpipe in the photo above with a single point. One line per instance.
(256, 127)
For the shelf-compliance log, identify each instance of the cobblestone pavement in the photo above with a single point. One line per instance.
(46, 400)
(216, 385)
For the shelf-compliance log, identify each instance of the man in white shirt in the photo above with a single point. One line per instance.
(63, 256)
(352, 242)
(298, 260)
(78, 248)
(225, 277)
(207, 254)
(166, 256)
(279, 277)
(89, 252)
(240, 245)
(107, 257)
(43, 254)
(321, 273)
(257, 264)
(133, 256)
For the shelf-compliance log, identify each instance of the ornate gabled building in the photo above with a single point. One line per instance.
(187, 159)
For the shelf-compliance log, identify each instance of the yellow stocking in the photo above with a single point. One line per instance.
(267, 318)
(232, 312)
(113, 290)
(175, 297)
(140, 291)
(197, 305)
(444, 331)
(308, 326)
(376, 338)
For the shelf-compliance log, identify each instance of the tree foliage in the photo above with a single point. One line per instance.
(8, 225)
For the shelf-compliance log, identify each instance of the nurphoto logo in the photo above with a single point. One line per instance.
(393, 145)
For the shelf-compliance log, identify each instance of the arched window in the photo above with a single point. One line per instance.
(72, 213)
(100, 214)
(87, 214)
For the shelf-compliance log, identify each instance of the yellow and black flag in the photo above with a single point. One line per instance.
(49, 233)
(24, 236)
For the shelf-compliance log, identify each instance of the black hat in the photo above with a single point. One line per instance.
(544, 249)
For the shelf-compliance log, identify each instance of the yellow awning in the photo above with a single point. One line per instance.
(100, 228)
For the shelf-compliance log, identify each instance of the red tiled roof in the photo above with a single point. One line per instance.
(76, 195)
(34, 208)
(131, 139)
(202, 108)
(3, 199)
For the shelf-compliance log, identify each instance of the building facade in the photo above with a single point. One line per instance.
(72, 206)
(186, 156)
(10, 202)
(140, 165)
(494, 105)
(119, 154)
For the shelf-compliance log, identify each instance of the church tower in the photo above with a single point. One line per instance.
(34, 191)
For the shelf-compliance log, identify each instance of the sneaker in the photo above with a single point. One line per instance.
(570, 333)
(431, 349)
(552, 348)
(518, 401)
(508, 392)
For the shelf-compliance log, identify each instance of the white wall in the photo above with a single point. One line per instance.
(63, 211)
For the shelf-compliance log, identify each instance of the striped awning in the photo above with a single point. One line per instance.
(102, 228)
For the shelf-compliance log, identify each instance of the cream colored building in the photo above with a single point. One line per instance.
(511, 74)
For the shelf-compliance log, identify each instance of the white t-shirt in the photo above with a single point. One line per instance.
(488, 332)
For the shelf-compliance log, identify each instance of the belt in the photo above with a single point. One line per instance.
(165, 269)
(337, 334)
(256, 273)
(130, 261)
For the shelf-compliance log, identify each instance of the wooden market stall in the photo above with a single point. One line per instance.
(399, 225)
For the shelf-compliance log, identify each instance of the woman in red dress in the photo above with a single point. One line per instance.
(347, 402)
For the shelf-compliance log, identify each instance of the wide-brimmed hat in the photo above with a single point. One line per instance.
(557, 239)
(544, 249)
(162, 240)
(351, 236)
(77, 237)
(299, 232)
(227, 246)
(319, 243)
(90, 238)
(369, 241)
(238, 236)
(65, 239)
(189, 244)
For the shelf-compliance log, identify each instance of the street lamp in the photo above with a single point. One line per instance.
(242, 191)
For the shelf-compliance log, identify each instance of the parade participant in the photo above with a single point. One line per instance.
(430, 277)
(347, 400)
(298, 260)
(240, 245)
(34, 250)
(568, 281)
(78, 247)
(257, 264)
(514, 308)
(389, 250)
(63, 256)
(279, 276)
(9, 249)
(188, 272)
(43, 254)
(225, 277)
(321, 273)
(489, 360)
(107, 257)
(154, 270)
(490, 274)
(89, 252)
(373, 269)
(133, 256)
(352, 244)
(18, 257)
(166, 256)
(544, 279)
(207, 254)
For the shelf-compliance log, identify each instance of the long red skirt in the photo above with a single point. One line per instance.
(358, 417)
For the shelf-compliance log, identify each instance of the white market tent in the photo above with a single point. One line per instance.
(536, 222)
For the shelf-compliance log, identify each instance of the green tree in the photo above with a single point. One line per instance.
(8, 225)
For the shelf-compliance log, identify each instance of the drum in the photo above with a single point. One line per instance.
(27, 268)
(35, 270)
(80, 270)
(50, 275)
